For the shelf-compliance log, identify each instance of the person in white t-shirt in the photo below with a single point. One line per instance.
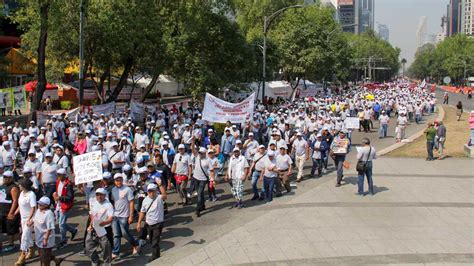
(152, 211)
(384, 119)
(101, 215)
(26, 208)
(181, 169)
(44, 232)
(284, 167)
(237, 172)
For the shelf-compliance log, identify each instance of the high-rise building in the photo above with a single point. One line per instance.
(355, 16)
(366, 14)
(467, 17)
(347, 13)
(421, 32)
(454, 13)
(444, 29)
(384, 32)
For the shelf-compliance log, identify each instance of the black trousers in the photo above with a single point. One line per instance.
(154, 231)
(200, 187)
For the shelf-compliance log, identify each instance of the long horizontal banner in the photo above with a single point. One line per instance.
(219, 111)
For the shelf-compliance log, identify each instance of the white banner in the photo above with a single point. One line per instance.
(42, 117)
(352, 122)
(105, 109)
(138, 110)
(87, 167)
(219, 111)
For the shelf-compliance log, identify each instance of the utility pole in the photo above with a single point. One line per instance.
(81, 54)
(266, 25)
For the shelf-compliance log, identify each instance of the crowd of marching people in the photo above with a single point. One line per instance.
(176, 150)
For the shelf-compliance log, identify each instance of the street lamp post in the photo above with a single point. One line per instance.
(81, 53)
(266, 25)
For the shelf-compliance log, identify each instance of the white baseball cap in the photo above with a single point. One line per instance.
(101, 191)
(152, 186)
(181, 146)
(45, 201)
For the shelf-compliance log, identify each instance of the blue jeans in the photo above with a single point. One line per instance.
(63, 226)
(360, 179)
(317, 164)
(417, 118)
(268, 184)
(383, 130)
(255, 177)
(120, 228)
(429, 148)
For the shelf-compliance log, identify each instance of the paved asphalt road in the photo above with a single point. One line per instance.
(185, 233)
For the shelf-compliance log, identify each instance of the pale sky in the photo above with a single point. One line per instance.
(402, 17)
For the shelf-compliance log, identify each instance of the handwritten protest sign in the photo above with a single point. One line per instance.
(219, 111)
(87, 167)
(352, 122)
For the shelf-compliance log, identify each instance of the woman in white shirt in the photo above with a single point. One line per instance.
(44, 232)
(27, 207)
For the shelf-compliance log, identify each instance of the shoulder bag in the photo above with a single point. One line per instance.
(361, 165)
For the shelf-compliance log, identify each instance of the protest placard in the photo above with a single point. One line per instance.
(87, 167)
(105, 109)
(219, 111)
(352, 122)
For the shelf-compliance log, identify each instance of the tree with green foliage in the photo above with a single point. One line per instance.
(369, 48)
(305, 48)
(422, 66)
(453, 57)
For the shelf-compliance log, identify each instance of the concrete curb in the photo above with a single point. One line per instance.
(441, 114)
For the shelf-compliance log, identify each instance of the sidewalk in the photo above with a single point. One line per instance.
(422, 212)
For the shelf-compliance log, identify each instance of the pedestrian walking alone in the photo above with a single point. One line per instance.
(365, 157)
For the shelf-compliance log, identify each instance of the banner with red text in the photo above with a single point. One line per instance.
(219, 111)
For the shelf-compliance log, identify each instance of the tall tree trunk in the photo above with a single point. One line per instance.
(41, 68)
(123, 80)
(150, 86)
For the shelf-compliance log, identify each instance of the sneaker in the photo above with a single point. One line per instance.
(82, 253)
(189, 195)
(73, 234)
(325, 171)
(214, 198)
(114, 256)
(195, 194)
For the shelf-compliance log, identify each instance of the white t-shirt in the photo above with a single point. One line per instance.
(26, 202)
(182, 163)
(269, 165)
(44, 221)
(101, 211)
(48, 172)
(300, 146)
(154, 213)
(283, 162)
(35, 166)
(8, 157)
(122, 197)
(199, 166)
(237, 167)
(261, 161)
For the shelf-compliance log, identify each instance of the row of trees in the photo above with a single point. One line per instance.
(205, 44)
(453, 57)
